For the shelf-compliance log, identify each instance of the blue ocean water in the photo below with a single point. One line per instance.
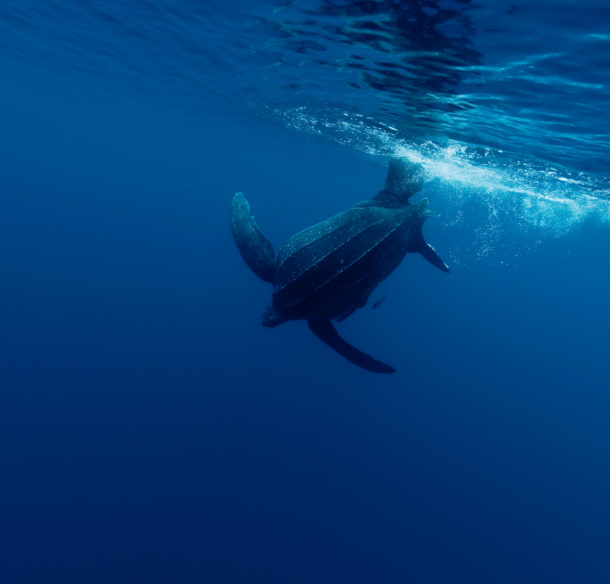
(151, 428)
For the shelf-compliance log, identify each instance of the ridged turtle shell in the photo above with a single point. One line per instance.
(330, 269)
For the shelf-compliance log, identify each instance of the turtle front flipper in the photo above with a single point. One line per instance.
(326, 332)
(254, 247)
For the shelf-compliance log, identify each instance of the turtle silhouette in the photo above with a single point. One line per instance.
(328, 270)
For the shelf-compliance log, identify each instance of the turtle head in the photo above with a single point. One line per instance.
(273, 315)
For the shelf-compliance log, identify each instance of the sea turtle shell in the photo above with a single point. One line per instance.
(329, 270)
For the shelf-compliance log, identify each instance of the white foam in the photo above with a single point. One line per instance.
(544, 196)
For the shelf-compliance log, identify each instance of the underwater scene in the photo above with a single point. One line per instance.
(305, 291)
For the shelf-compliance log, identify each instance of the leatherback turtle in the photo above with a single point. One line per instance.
(327, 271)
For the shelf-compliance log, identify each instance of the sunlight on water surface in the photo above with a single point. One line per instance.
(542, 195)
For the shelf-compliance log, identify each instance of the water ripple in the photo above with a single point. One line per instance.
(527, 84)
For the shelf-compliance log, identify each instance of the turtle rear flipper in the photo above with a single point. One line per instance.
(429, 253)
(419, 245)
(327, 333)
(254, 247)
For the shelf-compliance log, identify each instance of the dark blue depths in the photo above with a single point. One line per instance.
(152, 430)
